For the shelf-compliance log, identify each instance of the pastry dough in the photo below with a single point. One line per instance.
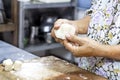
(17, 65)
(64, 29)
(8, 64)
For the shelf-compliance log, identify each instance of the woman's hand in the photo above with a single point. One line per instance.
(86, 47)
(57, 24)
(81, 26)
(81, 46)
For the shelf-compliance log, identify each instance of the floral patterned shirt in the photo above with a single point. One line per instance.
(104, 27)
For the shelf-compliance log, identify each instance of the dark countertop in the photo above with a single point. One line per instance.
(12, 52)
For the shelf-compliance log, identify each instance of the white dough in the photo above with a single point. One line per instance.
(17, 65)
(8, 64)
(64, 29)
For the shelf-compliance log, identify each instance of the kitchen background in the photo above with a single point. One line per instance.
(33, 20)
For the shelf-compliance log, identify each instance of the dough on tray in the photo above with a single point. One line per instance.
(17, 65)
(64, 29)
(8, 64)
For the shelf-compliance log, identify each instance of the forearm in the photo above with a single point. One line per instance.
(108, 51)
(82, 24)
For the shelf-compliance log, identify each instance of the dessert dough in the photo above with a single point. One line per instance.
(8, 64)
(64, 29)
(17, 65)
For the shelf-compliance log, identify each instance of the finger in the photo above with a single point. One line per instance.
(58, 40)
(75, 49)
(75, 39)
(58, 23)
(56, 26)
(70, 46)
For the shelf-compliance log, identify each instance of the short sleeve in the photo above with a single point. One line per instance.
(90, 11)
(100, 5)
(102, 16)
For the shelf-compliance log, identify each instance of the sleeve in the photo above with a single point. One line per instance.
(90, 11)
(101, 5)
(102, 16)
(114, 31)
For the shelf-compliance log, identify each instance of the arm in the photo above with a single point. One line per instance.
(109, 51)
(82, 24)
(86, 47)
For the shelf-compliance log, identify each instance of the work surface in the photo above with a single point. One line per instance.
(44, 68)
(48, 68)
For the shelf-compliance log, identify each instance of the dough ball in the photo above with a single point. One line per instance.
(64, 29)
(17, 65)
(8, 64)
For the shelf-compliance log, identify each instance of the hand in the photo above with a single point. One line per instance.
(56, 26)
(81, 46)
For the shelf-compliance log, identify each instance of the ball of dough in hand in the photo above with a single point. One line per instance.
(8, 64)
(17, 65)
(64, 29)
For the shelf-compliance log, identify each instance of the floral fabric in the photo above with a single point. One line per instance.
(104, 27)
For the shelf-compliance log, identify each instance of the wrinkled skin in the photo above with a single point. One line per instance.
(56, 26)
(81, 46)
(84, 46)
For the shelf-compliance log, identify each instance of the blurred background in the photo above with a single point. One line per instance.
(30, 23)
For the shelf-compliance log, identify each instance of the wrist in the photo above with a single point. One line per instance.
(107, 51)
(102, 50)
(82, 24)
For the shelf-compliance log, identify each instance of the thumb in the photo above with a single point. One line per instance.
(56, 27)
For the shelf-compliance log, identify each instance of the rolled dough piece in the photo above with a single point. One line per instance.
(8, 64)
(64, 29)
(17, 65)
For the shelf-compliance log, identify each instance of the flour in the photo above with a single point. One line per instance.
(35, 71)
